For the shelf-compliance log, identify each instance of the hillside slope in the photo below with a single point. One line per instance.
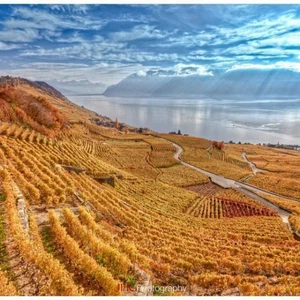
(39, 106)
(93, 210)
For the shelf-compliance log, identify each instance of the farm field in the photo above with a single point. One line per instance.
(130, 224)
(281, 173)
(199, 152)
(281, 168)
(181, 176)
(162, 153)
(88, 209)
(290, 205)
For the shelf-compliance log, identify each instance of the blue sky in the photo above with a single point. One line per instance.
(106, 43)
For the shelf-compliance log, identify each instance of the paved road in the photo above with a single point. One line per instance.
(226, 182)
(237, 185)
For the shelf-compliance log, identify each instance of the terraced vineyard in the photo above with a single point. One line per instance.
(162, 153)
(92, 236)
(208, 189)
(291, 205)
(281, 172)
(219, 207)
(199, 153)
(182, 176)
(88, 209)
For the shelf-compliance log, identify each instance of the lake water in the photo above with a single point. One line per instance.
(254, 121)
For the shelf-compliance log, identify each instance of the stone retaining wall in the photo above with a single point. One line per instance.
(22, 210)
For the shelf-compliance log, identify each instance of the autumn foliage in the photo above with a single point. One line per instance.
(33, 111)
(218, 145)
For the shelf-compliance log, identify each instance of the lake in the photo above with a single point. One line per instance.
(255, 121)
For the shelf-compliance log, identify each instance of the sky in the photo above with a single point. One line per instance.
(106, 43)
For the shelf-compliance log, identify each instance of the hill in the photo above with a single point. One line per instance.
(136, 86)
(91, 209)
(9, 82)
(39, 106)
(79, 87)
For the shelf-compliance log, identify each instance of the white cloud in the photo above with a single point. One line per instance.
(21, 24)
(104, 50)
(17, 35)
(198, 52)
(47, 65)
(103, 72)
(255, 51)
(193, 39)
(268, 35)
(28, 24)
(180, 70)
(4, 46)
(139, 32)
(191, 69)
(292, 66)
(84, 50)
(73, 33)
(43, 19)
(284, 40)
(74, 38)
(142, 73)
(77, 8)
(266, 27)
(210, 58)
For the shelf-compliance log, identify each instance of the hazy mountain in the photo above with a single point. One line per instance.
(236, 84)
(137, 86)
(79, 87)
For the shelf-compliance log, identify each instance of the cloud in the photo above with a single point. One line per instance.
(85, 50)
(139, 32)
(267, 36)
(76, 8)
(266, 27)
(141, 73)
(178, 70)
(28, 25)
(103, 50)
(102, 72)
(188, 40)
(292, 66)
(140, 56)
(17, 35)
(5, 46)
(183, 70)
(197, 39)
(250, 50)
(283, 40)
(75, 37)
(43, 19)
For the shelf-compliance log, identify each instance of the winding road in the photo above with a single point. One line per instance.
(244, 188)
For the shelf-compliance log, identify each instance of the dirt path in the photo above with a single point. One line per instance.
(251, 164)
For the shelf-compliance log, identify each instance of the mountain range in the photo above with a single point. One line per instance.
(235, 84)
(78, 87)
